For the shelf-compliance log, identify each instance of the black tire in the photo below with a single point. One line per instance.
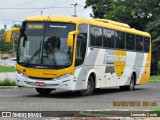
(132, 83)
(90, 87)
(131, 86)
(123, 87)
(43, 91)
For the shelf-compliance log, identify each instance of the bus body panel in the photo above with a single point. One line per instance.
(98, 60)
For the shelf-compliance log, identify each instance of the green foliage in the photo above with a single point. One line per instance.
(99, 7)
(155, 79)
(136, 13)
(4, 47)
(7, 82)
(16, 25)
(153, 28)
(157, 111)
(7, 69)
(9, 48)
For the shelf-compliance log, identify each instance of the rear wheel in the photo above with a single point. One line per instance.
(131, 86)
(132, 83)
(90, 87)
(43, 91)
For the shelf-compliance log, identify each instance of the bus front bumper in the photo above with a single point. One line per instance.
(66, 83)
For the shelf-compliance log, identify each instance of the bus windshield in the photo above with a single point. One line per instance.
(44, 45)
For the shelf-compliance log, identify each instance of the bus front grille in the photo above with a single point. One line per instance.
(40, 78)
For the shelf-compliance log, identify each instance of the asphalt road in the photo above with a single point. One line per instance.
(29, 100)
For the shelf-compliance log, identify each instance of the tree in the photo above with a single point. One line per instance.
(4, 47)
(99, 7)
(136, 13)
(154, 29)
(16, 25)
(9, 48)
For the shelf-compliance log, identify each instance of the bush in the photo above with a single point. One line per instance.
(7, 82)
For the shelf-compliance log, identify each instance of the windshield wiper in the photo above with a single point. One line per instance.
(30, 59)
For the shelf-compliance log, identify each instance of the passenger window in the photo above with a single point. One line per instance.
(139, 43)
(146, 44)
(120, 40)
(81, 44)
(96, 36)
(130, 42)
(108, 38)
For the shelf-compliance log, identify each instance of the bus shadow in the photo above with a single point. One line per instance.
(112, 90)
(97, 92)
(64, 95)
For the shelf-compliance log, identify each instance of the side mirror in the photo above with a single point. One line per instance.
(70, 38)
(9, 33)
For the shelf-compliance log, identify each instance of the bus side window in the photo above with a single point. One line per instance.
(139, 43)
(130, 41)
(120, 40)
(108, 38)
(96, 36)
(146, 44)
(81, 44)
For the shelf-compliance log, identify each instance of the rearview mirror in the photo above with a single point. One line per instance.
(9, 33)
(70, 38)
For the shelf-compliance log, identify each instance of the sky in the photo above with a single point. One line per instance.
(15, 11)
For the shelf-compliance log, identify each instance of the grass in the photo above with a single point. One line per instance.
(7, 82)
(157, 111)
(155, 79)
(7, 69)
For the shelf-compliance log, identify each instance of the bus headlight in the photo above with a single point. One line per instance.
(20, 73)
(62, 76)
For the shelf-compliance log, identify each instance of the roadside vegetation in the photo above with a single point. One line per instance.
(155, 79)
(7, 82)
(7, 69)
(157, 111)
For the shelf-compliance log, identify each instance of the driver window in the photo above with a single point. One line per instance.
(81, 44)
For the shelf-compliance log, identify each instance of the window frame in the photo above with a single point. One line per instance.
(76, 65)
(116, 40)
(140, 46)
(90, 36)
(134, 41)
(111, 38)
(145, 45)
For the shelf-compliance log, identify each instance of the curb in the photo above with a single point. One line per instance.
(9, 87)
(12, 87)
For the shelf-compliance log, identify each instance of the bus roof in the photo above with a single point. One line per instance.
(95, 22)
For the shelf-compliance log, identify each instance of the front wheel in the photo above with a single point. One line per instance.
(43, 91)
(90, 87)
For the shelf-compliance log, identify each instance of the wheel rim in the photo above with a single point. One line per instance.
(132, 83)
(88, 85)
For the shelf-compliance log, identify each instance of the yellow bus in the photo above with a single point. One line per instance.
(79, 54)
